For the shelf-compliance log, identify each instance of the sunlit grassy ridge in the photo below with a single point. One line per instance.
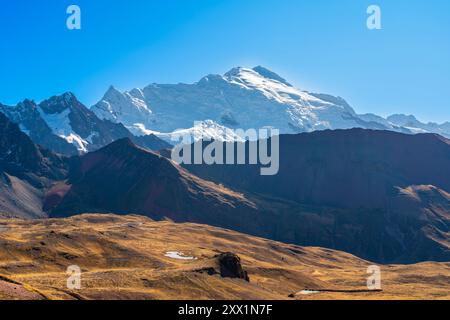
(125, 258)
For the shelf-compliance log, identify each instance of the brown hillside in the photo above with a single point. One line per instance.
(130, 258)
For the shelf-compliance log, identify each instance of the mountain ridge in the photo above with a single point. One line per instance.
(133, 257)
(26, 171)
(64, 125)
(241, 98)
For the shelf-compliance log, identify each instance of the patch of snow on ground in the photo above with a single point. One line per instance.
(178, 255)
(306, 292)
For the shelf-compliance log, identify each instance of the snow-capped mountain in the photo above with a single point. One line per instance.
(28, 116)
(408, 124)
(241, 98)
(65, 125)
(128, 105)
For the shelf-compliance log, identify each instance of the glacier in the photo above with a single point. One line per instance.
(242, 98)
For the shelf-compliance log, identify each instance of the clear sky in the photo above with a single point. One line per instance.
(320, 46)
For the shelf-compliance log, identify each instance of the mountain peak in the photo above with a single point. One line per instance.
(113, 94)
(27, 103)
(403, 119)
(68, 95)
(112, 89)
(210, 78)
(266, 73)
(254, 74)
(234, 72)
(120, 144)
(246, 97)
(58, 104)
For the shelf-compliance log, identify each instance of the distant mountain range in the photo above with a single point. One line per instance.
(152, 117)
(241, 98)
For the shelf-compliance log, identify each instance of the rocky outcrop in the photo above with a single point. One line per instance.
(227, 265)
(230, 266)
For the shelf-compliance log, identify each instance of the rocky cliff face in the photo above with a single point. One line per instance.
(26, 170)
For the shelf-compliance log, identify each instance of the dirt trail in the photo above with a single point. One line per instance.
(16, 291)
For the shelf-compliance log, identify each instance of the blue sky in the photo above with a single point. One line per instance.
(320, 46)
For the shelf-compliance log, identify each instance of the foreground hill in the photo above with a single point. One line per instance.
(133, 257)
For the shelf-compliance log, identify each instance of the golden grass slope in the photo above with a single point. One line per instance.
(124, 257)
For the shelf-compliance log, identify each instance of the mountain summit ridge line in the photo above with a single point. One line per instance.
(242, 98)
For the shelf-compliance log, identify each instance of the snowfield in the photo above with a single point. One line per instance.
(242, 98)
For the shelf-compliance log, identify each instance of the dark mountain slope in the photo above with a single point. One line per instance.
(27, 115)
(26, 170)
(353, 182)
(423, 211)
(344, 168)
(123, 178)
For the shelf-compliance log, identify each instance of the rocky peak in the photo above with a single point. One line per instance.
(266, 73)
(58, 104)
(230, 266)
